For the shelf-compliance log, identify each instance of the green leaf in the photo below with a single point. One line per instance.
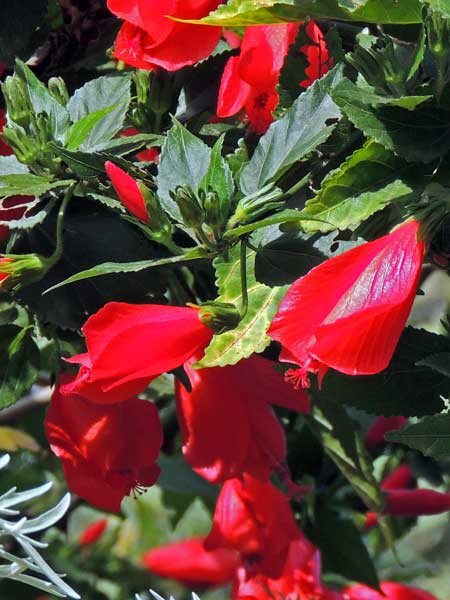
(366, 182)
(9, 165)
(27, 184)
(184, 160)
(421, 135)
(404, 388)
(250, 335)
(219, 176)
(127, 144)
(352, 5)
(105, 92)
(18, 20)
(19, 363)
(109, 268)
(342, 549)
(177, 476)
(291, 138)
(78, 132)
(240, 13)
(282, 258)
(195, 522)
(439, 362)
(43, 102)
(441, 6)
(430, 435)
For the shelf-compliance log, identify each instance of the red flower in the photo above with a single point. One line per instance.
(149, 39)
(381, 426)
(128, 191)
(129, 345)
(189, 563)
(220, 398)
(301, 578)
(353, 328)
(254, 518)
(391, 591)
(93, 532)
(106, 451)
(249, 80)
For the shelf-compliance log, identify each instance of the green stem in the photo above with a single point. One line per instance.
(299, 185)
(244, 291)
(53, 258)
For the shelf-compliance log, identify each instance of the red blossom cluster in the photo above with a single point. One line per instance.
(190, 563)
(108, 439)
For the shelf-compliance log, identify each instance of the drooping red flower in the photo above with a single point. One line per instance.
(391, 591)
(189, 563)
(93, 532)
(254, 518)
(128, 345)
(106, 451)
(353, 328)
(149, 39)
(128, 191)
(413, 503)
(381, 426)
(249, 80)
(222, 397)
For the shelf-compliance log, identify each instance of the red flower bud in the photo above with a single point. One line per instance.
(189, 563)
(381, 426)
(93, 532)
(401, 477)
(128, 191)
(353, 328)
(413, 503)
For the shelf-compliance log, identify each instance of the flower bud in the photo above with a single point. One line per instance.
(17, 101)
(17, 270)
(93, 532)
(256, 205)
(413, 503)
(219, 316)
(189, 206)
(58, 89)
(438, 33)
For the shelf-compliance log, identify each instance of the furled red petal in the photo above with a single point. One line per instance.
(233, 92)
(128, 10)
(355, 327)
(5, 149)
(401, 477)
(106, 451)
(220, 398)
(129, 345)
(128, 191)
(391, 591)
(189, 563)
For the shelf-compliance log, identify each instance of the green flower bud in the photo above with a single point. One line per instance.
(58, 89)
(189, 206)
(256, 205)
(18, 270)
(17, 101)
(219, 316)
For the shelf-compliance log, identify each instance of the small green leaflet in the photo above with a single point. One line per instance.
(366, 182)
(431, 436)
(250, 335)
(26, 184)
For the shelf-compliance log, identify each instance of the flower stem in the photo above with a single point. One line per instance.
(244, 291)
(56, 255)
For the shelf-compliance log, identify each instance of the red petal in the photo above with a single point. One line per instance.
(128, 191)
(233, 92)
